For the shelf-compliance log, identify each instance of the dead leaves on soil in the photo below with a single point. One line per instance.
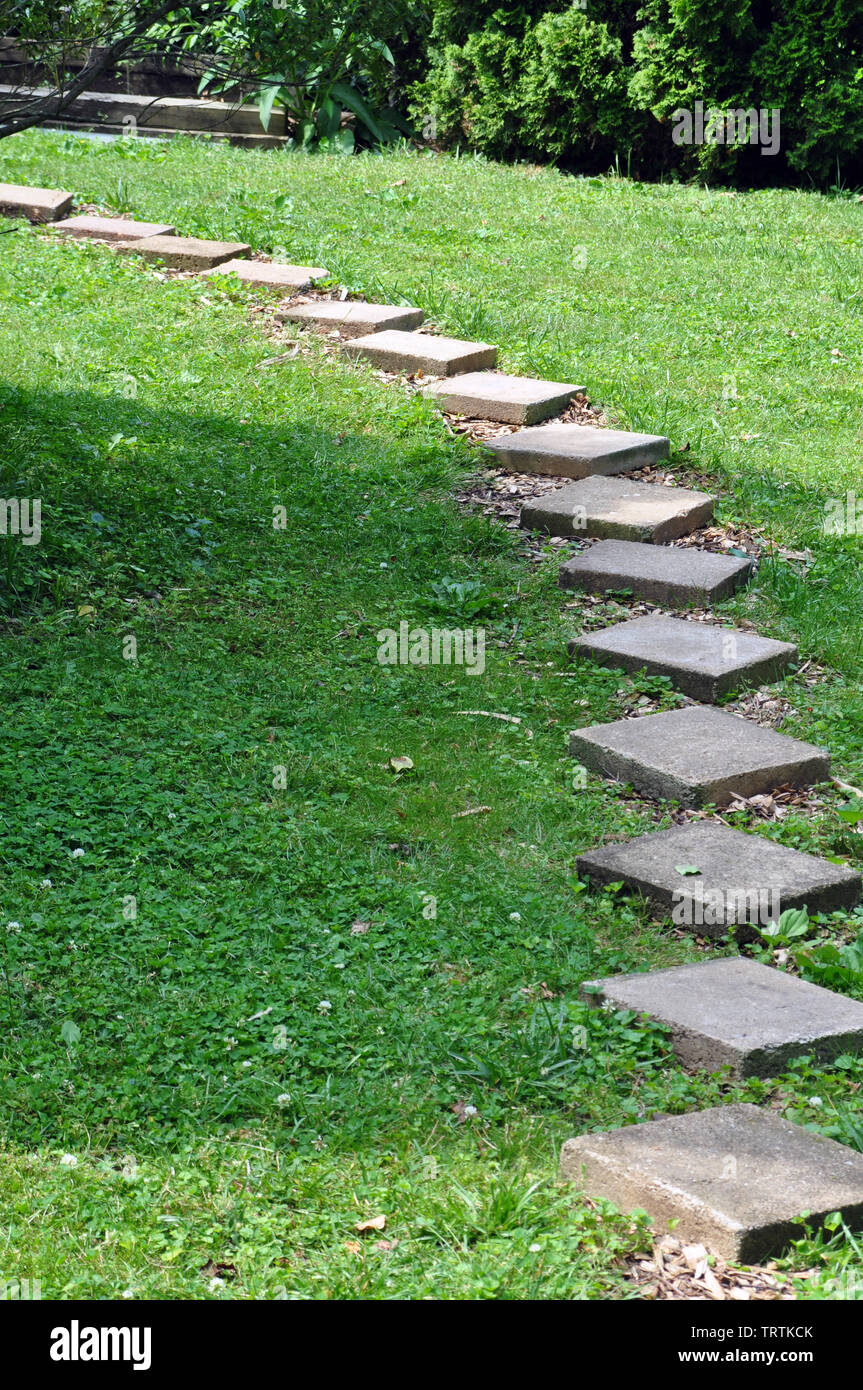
(677, 1271)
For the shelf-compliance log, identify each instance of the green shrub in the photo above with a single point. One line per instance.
(812, 67)
(574, 89)
(565, 83)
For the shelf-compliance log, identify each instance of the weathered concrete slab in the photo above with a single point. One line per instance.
(735, 1177)
(395, 351)
(36, 204)
(698, 756)
(185, 252)
(162, 115)
(739, 1014)
(674, 576)
(619, 509)
(514, 400)
(352, 317)
(576, 451)
(112, 228)
(741, 878)
(702, 660)
(290, 279)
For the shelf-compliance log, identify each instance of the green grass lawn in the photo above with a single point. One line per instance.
(258, 984)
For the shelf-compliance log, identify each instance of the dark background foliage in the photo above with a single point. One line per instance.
(587, 87)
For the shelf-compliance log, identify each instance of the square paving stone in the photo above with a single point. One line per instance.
(36, 204)
(735, 1177)
(289, 278)
(352, 317)
(674, 576)
(741, 878)
(739, 1014)
(185, 252)
(514, 400)
(702, 660)
(112, 228)
(576, 451)
(619, 509)
(698, 756)
(395, 351)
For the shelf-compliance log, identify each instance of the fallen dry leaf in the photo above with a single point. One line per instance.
(374, 1223)
(679, 1271)
(401, 764)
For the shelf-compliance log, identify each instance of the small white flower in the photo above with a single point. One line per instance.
(515, 916)
(46, 883)
(172, 815)
(216, 1284)
(338, 965)
(246, 1064)
(284, 1098)
(471, 1110)
(78, 854)
(534, 1249)
(13, 926)
(324, 1006)
(68, 1161)
(128, 1293)
(815, 1100)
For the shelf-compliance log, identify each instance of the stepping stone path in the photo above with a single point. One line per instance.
(698, 756)
(36, 204)
(735, 1178)
(617, 509)
(352, 317)
(703, 661)
(576, 451)
(513, 400)
(112, 228)
(736, 874)
(395, 351)
(739, 1014)
(291, 279)
(674, 576)
(186, 252)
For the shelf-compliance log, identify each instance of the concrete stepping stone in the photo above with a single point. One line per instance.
(36, 204)
(513, 400)
(292, 279)
(703, 661)
(619, 509)
(674, 576)
(185, 252)
(734, 1177)
(112, 228)
(352, 317)
(741, 878)
(739, 1014)
(576, 451)
(698, 756)
(395, 351)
